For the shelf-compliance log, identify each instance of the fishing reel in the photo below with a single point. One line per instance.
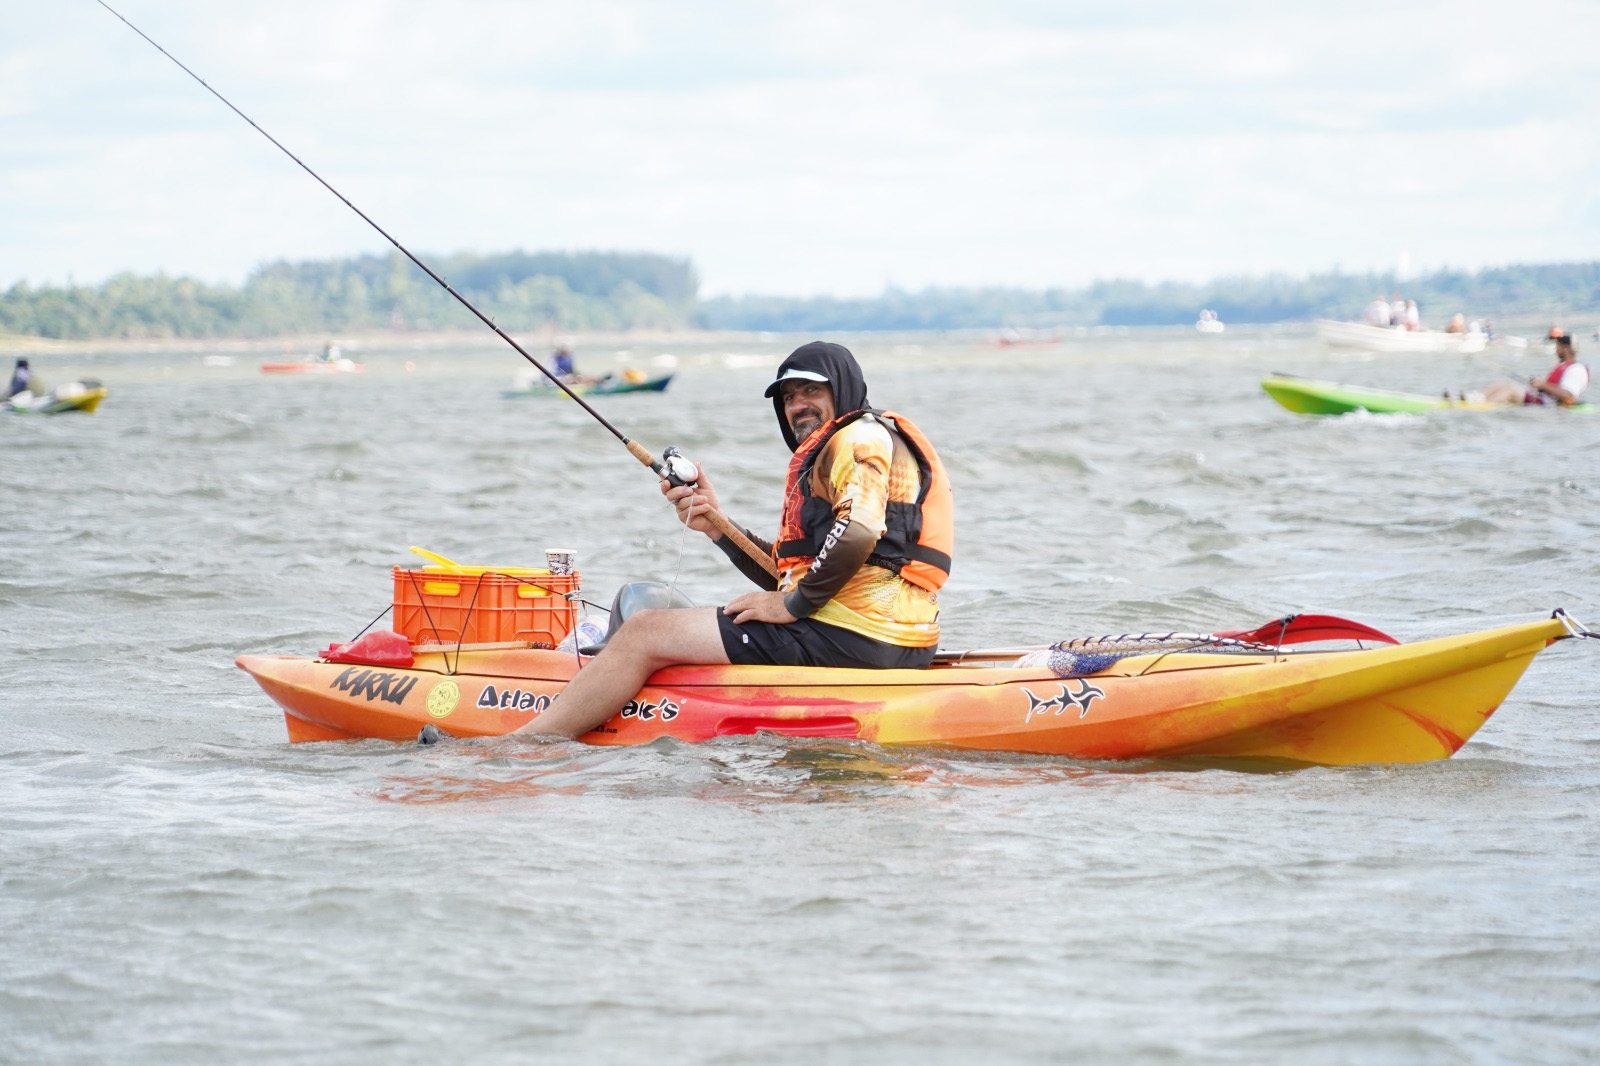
(676, 469)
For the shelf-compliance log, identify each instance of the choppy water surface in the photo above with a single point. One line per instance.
(180, 885)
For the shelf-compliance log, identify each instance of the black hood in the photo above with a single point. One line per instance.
(833, 362)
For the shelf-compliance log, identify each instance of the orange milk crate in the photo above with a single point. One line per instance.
(482, 605)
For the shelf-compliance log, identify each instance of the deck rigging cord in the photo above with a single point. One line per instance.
(1574, 627)
(664, 468)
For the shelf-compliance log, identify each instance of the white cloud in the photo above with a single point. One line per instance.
(805, 147)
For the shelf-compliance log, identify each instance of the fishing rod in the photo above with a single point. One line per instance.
(672, 467)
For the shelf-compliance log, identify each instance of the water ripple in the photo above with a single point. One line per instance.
(182, 885)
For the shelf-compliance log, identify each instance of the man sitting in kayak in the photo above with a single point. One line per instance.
(1563, 385)
(22, 380)
(864, 547)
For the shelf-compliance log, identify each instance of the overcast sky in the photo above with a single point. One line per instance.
(805, 147)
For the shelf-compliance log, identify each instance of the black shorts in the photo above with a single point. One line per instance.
(811, 643)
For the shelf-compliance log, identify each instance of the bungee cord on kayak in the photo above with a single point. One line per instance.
(1573, 626)
(665, 468)
(1087, 655)
(435, 632)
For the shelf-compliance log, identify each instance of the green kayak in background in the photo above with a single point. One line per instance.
(1307, 397)
(605, 386)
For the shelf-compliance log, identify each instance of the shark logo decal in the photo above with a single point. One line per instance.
(1081, 699)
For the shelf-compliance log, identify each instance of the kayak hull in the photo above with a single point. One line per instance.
(78, 397)
(1387, 339)
(1304, 396)
(1405, 703)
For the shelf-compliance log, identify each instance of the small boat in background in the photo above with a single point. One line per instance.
(1016, 338)
(331, 361)
(82, 396)
(1209, 323)
(1387, 339)
(1307, 397)
(315, 366)
(631, 381)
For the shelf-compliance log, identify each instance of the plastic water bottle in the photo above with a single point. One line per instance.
(585, 634)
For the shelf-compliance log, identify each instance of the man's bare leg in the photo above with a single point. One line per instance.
(1503, 392)
(646, 642)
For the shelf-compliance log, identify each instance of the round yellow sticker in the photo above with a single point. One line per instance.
(443, 699)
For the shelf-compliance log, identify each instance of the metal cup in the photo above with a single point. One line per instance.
(559, 560)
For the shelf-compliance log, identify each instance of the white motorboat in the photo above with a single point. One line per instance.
(1392, 339)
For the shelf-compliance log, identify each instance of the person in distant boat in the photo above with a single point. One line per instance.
(1563, 385)
(1397, 312)
(863, 547)
(1458, 323)
(1377, 312)
(1412, 318)
(22, 380)
(563, 364)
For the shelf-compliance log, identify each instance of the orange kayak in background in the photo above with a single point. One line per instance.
(1391, 704)
(337, 366)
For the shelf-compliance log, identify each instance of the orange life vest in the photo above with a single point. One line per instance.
(919, 536)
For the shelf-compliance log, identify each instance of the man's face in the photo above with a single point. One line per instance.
(807, 405)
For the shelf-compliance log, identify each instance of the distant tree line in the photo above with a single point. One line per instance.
(519, 290)
(617, 290)
(1499, 292)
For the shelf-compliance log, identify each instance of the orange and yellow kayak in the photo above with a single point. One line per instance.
(1401, 703)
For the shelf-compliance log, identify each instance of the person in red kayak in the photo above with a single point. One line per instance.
(1563, 385)
(864, 545)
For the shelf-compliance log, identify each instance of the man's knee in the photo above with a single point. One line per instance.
(666, 636)
(649, 630)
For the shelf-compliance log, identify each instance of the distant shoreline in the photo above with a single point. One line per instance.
(549, 298)
(302, 344)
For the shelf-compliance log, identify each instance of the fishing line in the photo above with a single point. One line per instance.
(661, 467)
(683, 542)
(677, 567)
